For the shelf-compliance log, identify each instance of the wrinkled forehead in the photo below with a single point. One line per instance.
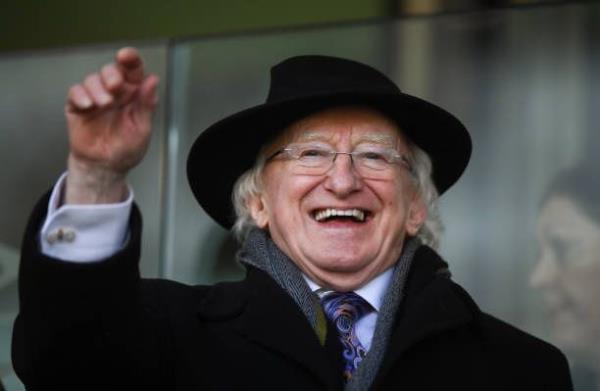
(356, 124)
(356, 135)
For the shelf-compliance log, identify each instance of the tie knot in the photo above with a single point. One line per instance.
(344, 308)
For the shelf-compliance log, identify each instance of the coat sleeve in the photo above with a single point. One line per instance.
(85, 326)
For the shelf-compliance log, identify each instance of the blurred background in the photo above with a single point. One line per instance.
(522, 225)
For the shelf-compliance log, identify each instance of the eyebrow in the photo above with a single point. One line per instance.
(311, 136)
(379, 138)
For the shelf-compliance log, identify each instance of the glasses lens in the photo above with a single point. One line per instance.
(372, 160)
(377, 162)
(313, 156)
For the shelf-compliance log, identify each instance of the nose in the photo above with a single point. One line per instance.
(545, 273)
(342, 178)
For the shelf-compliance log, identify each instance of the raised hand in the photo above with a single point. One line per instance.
(109, 117)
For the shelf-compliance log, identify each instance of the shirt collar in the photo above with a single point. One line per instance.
(372, 292)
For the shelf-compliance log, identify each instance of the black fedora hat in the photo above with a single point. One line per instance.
(303, 85)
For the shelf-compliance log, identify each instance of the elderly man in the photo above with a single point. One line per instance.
(331, 186)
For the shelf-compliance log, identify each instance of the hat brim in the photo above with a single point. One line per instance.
(230, 147)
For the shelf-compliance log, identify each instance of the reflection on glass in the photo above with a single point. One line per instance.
(567, 270)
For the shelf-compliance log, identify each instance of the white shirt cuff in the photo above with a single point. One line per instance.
(84, 233)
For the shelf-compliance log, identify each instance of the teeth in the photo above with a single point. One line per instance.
(357, 214)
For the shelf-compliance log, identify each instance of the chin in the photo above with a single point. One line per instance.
(347, 261)
(341, 281)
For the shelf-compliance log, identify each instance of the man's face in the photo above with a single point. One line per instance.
(567, 273)
(341, 252)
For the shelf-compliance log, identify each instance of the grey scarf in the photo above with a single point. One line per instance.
(260, 252)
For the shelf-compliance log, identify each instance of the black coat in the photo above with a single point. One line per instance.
(99, 326)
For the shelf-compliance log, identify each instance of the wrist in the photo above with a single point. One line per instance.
(89, 183)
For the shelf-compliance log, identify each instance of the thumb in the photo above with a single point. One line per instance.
(148, 92)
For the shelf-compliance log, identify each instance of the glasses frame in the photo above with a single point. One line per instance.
(395, 158)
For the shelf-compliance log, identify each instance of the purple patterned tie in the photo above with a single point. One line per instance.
(344, 310)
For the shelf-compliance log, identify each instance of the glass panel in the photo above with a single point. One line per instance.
(524, 83)
(33, 147)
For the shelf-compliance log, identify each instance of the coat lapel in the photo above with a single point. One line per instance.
(431, 305)
(263, 313)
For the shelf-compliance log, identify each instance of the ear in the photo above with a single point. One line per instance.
(259, 211)
(417, 214)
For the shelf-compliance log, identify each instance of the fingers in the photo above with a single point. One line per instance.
(112, 78)
(78, 99)
(116, 83)
(148, 91)
(131, 64)
(96, 89)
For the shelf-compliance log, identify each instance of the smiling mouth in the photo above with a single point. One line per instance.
(353, 214)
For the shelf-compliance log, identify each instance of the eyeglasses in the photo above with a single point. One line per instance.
(370, 161)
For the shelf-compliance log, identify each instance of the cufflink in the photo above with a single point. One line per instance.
(60, 235)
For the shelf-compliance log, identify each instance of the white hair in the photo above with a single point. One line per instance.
(431, 231)
(249, 185)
